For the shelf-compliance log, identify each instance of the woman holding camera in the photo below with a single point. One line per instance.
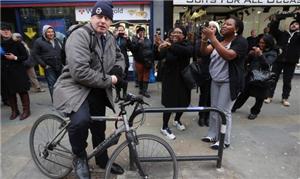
(259, 58)
(226, 70)
(177, 53)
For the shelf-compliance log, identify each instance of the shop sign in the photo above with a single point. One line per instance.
(238, 2)
(132, 12)
(30, 33)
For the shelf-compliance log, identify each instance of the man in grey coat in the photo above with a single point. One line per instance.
(85, 87)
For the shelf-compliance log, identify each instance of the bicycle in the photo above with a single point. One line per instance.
(139, 155)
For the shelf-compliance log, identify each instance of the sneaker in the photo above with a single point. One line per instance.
(178, 125)
(208, 139)
(285, 103)
(216, 145)
(168, 133)
(268, 100)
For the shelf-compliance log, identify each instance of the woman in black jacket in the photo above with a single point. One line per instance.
(143, 57)
(177, 56)
(260, 58)
(14, 77)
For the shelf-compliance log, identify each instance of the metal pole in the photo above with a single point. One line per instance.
(217, 157)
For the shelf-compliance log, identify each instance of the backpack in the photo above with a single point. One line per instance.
(92, 45)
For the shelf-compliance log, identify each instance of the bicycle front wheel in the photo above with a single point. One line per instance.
(50, 147)
(156, 157)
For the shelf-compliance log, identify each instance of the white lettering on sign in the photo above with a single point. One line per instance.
(132, 12)
(238, 2)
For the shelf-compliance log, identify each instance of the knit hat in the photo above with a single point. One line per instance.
(104, 8)
(214, 23)
(5, 26)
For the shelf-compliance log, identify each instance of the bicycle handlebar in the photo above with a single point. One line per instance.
(130, 99)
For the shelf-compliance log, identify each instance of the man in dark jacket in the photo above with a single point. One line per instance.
(125, 44)
(47, 52)
(289, 44)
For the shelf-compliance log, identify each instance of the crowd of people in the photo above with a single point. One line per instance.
(81, 82)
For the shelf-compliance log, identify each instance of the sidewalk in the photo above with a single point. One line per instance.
(266, 148)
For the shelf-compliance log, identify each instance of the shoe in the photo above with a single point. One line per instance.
(268, 100)
(216, 145)
(81, 167)
(116, 169)
(208, 139)
(252, 116)
(285, 103)
(168, 133)
(178, 125)
(38, 90)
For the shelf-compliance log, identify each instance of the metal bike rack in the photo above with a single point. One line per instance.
(217, 157)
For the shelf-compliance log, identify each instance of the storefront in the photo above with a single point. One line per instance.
(28, 17)
(254, 13)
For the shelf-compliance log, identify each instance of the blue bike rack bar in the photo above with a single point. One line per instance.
(217, 157)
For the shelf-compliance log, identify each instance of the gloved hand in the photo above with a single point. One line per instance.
(118, 72)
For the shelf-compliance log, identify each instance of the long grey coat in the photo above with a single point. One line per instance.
(83, 70)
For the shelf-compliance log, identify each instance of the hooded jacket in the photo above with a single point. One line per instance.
(47, 52)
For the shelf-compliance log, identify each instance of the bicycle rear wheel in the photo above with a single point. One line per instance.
(151, 150)
(50, 147)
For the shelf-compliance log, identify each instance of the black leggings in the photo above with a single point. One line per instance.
(166, 118)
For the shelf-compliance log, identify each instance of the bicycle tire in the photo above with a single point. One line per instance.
(42, 133)
(160, 169)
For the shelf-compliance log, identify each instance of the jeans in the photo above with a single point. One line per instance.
(51, 76)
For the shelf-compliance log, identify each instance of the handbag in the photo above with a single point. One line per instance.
(261, 78)
(191, 75)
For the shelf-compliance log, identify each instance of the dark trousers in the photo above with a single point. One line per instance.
(287, 75)
(242, 98)
(51, 76)
(94, 105)
(204, 98)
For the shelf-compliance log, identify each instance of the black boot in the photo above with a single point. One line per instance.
(81, 167)
(125, 90)
(14, 107)
(117, 99)
(26, 105)
(145, 88)
(141, 87)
